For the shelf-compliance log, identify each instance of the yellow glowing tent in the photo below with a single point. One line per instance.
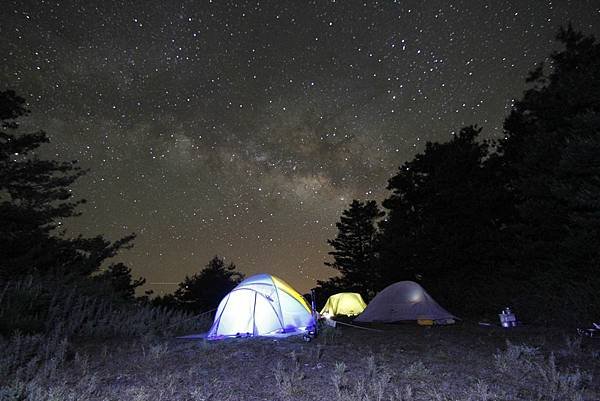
(344, 303)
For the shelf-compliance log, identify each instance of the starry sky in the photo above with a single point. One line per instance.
(244, 128)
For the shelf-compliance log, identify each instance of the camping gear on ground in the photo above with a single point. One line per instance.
(404, 300)
(507, 318)
(314, 331)
(262, 305)
(594, 331)
(344, 303)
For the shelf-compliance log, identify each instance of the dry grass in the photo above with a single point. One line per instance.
(402, 363)
(94, 351)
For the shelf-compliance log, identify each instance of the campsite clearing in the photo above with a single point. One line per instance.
(402, 362)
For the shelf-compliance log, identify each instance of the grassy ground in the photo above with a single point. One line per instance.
(399, 362)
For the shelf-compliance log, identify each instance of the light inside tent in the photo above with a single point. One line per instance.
(416, 296)
(261, 305)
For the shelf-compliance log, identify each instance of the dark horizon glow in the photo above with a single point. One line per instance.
(243, 129)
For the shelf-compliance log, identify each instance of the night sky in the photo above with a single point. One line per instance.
(243, 129)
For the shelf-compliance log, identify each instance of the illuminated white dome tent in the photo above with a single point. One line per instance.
(262, 305)
(404, 300)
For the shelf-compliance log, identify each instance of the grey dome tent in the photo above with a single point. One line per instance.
(404, 300)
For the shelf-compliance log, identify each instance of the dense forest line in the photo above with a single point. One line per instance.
(483, 224)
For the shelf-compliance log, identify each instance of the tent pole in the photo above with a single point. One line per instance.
(254, 331)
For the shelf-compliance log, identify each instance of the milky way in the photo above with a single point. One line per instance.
(243, 129)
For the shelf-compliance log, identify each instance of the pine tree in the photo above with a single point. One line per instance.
(443, 223)
(203, 291)
(35, 197)
(549, 160)
(120, 282)
(575, 266)
(354, 253)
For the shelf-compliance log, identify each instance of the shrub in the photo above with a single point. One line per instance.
(516, 360)
(288, 376)
(566, 385)
(538, 377)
